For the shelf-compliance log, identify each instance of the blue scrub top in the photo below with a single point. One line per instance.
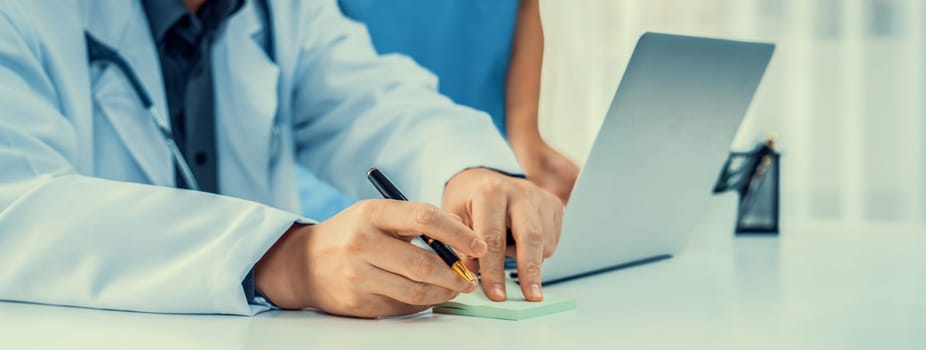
(466, 43)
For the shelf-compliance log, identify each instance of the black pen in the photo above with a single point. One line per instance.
(389, 191)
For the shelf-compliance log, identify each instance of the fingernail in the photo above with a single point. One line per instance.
(536, 293)
(478, 246)
(471, 287)
(498, 291)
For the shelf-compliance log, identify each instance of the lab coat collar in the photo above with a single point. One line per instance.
(122, 26)
(247, 82)
(246, 98)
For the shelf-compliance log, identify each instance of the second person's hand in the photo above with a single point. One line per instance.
(490, 202)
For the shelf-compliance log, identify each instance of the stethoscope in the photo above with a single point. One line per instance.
(98, 52)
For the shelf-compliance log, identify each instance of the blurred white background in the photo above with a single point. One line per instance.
(845, 91)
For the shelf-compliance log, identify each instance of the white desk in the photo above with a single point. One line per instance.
(814, 290)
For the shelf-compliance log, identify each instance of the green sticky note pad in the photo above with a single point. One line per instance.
(515, 308)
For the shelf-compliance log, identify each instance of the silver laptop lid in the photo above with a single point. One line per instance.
(662, 144)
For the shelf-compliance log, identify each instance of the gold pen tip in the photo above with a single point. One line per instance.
(464, 272)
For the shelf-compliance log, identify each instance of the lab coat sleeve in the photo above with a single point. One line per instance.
(70, 239)
(354, 109)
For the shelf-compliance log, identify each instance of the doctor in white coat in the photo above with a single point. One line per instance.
(89, 210)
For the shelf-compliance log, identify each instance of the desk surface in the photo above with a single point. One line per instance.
(839, 290)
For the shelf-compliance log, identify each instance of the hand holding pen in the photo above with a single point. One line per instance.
(389, 191)
(360, 263)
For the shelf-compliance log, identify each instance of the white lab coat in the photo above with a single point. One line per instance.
(88, 215)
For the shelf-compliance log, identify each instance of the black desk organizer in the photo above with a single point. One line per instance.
(755, 175)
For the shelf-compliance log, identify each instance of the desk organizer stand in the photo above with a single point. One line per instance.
(755, 176)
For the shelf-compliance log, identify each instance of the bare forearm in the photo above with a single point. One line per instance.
(523, 86)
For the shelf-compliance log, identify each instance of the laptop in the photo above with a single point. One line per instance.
(648, 179)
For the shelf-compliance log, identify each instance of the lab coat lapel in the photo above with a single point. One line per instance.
(123, 26)
(246, 83)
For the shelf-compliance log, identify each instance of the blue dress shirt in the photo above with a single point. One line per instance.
(466, 43)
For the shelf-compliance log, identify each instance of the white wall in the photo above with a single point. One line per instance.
(845, 92)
